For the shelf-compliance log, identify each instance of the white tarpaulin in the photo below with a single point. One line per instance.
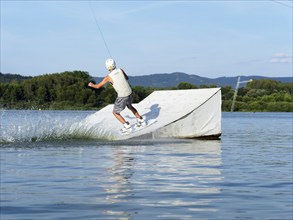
(190, 113)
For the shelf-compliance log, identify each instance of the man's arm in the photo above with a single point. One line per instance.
(100, 84)
(126, 77)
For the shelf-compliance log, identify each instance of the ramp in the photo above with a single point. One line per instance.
(194, 113)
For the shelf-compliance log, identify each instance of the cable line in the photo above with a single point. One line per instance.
(281, 3)
(99, 28)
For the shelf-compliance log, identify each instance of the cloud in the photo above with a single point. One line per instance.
(281, 58)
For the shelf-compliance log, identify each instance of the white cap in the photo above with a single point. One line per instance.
(110, 64)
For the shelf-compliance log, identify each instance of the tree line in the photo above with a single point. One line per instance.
(69, 91)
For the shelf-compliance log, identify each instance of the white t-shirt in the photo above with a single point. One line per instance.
(120, 83)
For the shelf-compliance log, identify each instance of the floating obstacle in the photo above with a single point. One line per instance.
(194, 113)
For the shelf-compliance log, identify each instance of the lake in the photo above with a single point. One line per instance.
(51, 170)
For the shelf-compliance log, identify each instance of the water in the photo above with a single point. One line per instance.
(75, 175)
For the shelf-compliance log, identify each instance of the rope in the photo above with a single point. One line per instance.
(99, 28)
(281, 3)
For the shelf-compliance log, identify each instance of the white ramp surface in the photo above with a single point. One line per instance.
(194, 113)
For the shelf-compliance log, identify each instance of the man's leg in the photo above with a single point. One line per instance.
(119, 117)
(119, 105)
(134, 111)
(139, 120)
(126, 125)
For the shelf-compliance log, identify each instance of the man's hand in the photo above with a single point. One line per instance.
(100, 84)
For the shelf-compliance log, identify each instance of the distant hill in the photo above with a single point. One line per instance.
(164, 80)
(5, 78)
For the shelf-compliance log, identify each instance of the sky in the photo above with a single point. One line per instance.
(210, 38)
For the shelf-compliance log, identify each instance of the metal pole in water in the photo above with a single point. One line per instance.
(235, 94)
(236, 91)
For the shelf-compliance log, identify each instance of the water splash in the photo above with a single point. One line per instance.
(30, 126)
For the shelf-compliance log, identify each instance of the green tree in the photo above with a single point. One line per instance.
(68, 90)
(186, 85)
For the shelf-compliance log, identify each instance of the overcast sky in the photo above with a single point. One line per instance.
(206, 38)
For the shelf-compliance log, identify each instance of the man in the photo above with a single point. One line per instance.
(119, 81)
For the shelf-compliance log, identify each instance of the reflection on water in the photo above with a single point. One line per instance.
(120, 174)
(184, 177)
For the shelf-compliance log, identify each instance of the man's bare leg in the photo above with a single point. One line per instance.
(135, 112)
(119, 117)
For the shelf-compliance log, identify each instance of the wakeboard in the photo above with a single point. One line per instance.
(134, 128)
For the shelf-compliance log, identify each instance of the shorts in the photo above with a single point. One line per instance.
(122, 102)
